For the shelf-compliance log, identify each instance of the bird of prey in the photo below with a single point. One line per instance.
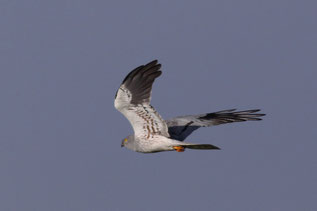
(154, 134)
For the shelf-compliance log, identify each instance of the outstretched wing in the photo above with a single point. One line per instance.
(133, 101)
(181, 127)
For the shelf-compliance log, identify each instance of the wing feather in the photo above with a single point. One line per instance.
(133, 101)
(181, 127)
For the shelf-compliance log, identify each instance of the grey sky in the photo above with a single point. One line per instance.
(62, 61)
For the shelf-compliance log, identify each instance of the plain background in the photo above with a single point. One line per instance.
(62, 62)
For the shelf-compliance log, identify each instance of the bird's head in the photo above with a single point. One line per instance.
(128, 142)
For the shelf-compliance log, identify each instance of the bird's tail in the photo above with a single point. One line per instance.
(199, 146)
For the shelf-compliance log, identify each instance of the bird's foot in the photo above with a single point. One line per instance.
(179, 148)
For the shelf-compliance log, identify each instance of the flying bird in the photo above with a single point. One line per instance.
(154, 134)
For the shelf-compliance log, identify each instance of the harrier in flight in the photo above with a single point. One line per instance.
(154, 134)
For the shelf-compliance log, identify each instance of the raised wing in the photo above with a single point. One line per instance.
(181, 127)
(133, 101)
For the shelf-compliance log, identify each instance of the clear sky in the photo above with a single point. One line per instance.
(62, 61)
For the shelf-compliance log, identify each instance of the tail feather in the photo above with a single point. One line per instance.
(200, 146)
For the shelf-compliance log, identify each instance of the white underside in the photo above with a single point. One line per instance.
(156, 144)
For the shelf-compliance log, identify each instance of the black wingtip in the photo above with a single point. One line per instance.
(231, 115)
(142, 67)
(154, 62)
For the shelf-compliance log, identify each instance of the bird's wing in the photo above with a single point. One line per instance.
(133, 101)
(181, 127)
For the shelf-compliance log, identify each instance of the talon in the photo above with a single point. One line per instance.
(179, 148)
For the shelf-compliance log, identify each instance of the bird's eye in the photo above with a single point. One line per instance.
(125, 140)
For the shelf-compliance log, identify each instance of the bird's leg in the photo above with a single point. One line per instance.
(179, 148)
